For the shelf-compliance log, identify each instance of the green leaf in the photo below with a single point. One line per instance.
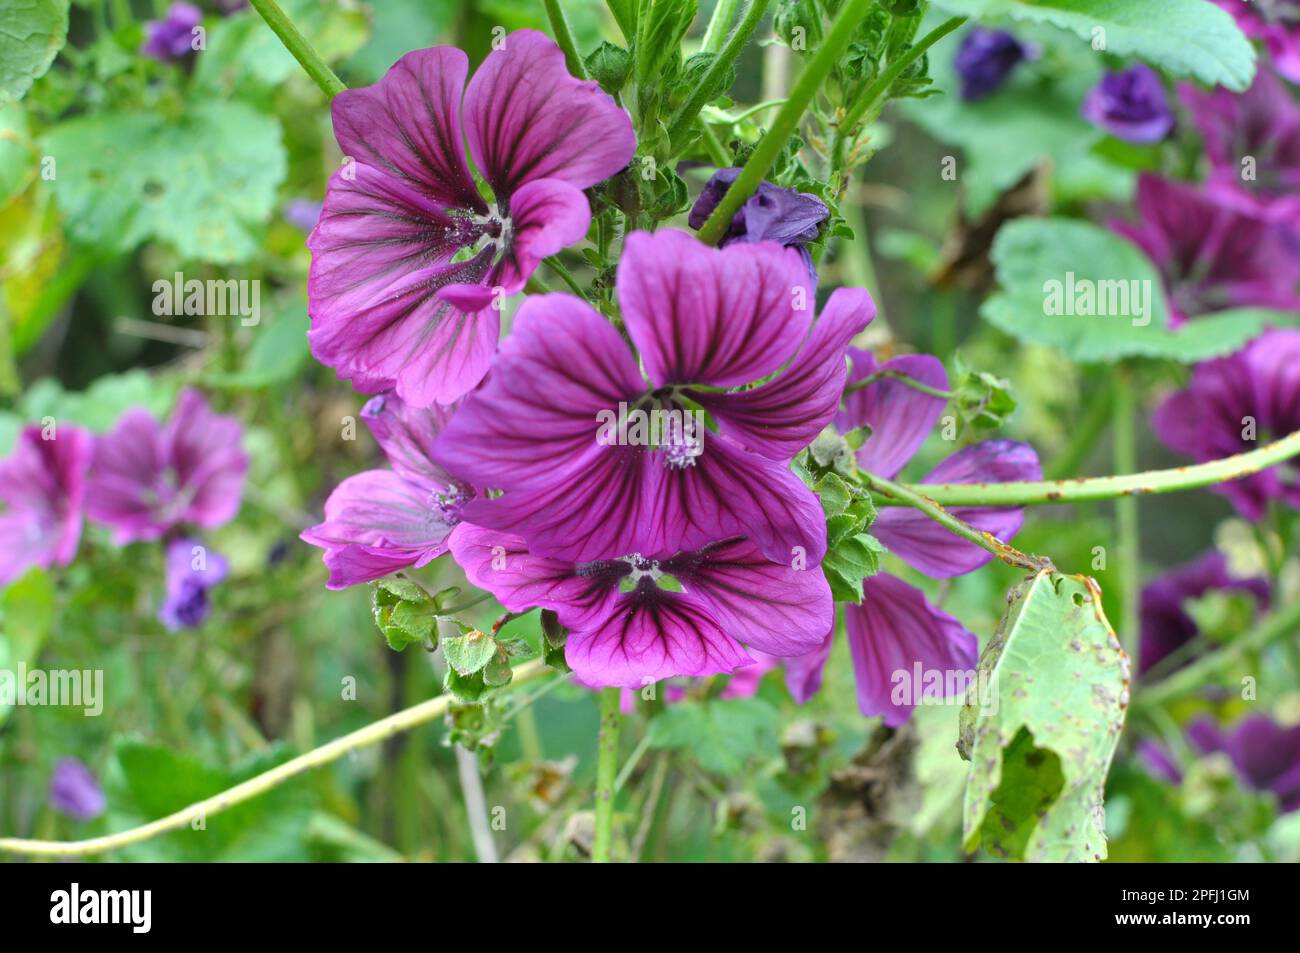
(204, 181)
(404, 613)
(609, 65)
(27, 613)
(720, 735)
(278, 353)
(848, 563)
(1183, 37)
(1048, 266)
(468, 652)
(31, 34)
(1041, 723)
(983, 401)
(99, 406)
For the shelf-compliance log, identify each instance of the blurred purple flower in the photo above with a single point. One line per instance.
(1158, 762)
(1166, 625)
(302, 214)
(1130, 105)
(771, 214)
(228, 7)
(895, 630)
(1253, 143)
(986, 59)
(699, 317)
(75, 792)
(1237, 403)
(1277, 23)
(192, 570)
(42, 486)
(1265, 754)
(409, 261)
(380, 521)
(172, 38)
(627, 630)
(149, 478)
(1211, 256)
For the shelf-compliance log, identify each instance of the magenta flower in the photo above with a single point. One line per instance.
(192, 569)
(627, 629)
(172, 38)
(1253, 143)
(1237, 403)
(148, 478)
(75, 792)
(1265, 754)
(558, 424)
(895, 634)
(408, 260)
(1277, 23)
(1166, 625)
(1211, 256)
(1130, 105)
(380, 521)
(42, 485)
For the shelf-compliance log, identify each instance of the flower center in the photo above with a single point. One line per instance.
(449, 502)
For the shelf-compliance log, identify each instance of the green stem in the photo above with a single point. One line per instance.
(1082, 438)
(787, 119)
(1126, 511)
(564, 38)
(716, 32)
(716, 150)
(371, 734)
(875, 95)
(557, 266)
(606, 771)
(1030, 493)
(725, 60)
(986, 541)
(1282, 623)
(297, 44)
(902, 378)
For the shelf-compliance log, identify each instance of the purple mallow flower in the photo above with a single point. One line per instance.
(1277, 23)
(42, 485)
(1167, 628)
(75, 792)
(1210, 255)
(1265, 754)
(1130, 105)
(771, 214)
(1253, 143)
(1238, 403)
(192, 569)
(380, 521)
(302, 214)
(627, 629)
(896, 631)
(149, 478)
(986, 59)
(585, 447)
(172, 38)
(409, 260)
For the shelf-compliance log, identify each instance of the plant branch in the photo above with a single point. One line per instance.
(606, 771)
(902, 378)
(1030, 493)
(297, 44)
(371, 734)
(786, 120)
(564, 38)
(1124, 421)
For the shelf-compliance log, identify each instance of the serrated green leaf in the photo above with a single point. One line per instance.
(1041, 723)
(31, 34)
(204, 182)
(470, 689)
(469, 652)
(1183, 37)
(848, 563)
(720, 735)
(1046, 266)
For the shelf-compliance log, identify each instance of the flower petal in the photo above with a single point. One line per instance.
(206, 451)
(526, 118)
(803, 673)
(127, 461)
(546, 215)
(933, 550)
(406, 435)
(781, 417)
(894, 632)
(899, 415)
(722, 317)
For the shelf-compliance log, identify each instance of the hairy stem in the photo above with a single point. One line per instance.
(371, 734)
(564, 38)
(606, 774)
(1030, 493)
(297, 44)
(716, 32)
(787, 119)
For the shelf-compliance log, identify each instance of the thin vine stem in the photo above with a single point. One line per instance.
(1035, 493)
(786, 120)
(371, 734)
(902, 378)
(606, 774)
(297, 44)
